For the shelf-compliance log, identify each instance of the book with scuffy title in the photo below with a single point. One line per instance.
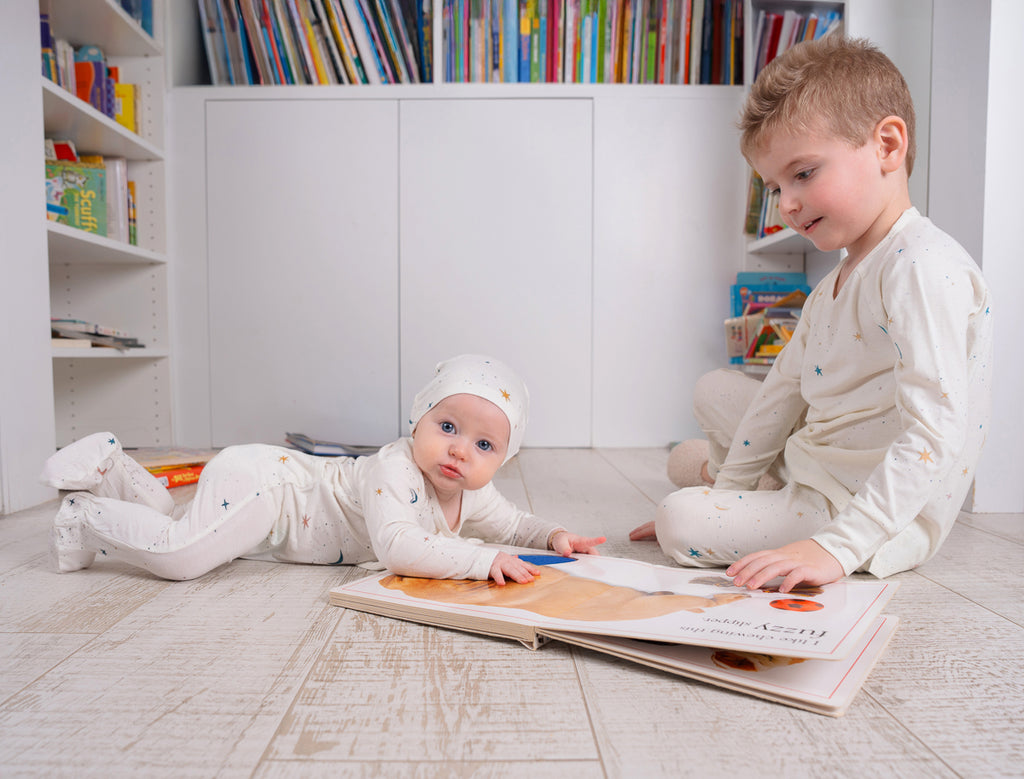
(810, 648)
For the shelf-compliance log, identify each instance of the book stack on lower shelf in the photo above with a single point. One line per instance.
(811, 648)
(79, 334)
(765, 308)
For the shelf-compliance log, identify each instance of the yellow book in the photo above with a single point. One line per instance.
(124, 105)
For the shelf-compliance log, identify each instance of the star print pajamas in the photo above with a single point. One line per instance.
(275, 503)
(874, 415)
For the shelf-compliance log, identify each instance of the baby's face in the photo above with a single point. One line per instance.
(460, 443)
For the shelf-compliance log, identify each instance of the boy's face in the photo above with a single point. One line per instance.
(836, 195)
(460, 443)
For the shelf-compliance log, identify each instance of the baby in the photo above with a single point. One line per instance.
(413, 507)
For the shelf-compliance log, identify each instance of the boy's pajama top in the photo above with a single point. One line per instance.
(894, 376)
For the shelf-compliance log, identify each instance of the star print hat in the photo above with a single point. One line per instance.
(485, 377)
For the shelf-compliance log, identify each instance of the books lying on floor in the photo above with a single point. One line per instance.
(172, 466)
(811, 648)
(327, 448)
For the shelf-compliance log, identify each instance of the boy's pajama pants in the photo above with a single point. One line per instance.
(702, 526)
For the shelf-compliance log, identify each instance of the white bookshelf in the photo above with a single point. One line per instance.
(98, 279)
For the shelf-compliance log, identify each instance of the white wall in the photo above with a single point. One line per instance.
(999, 484)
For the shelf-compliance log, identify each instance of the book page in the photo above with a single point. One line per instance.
(619, 597)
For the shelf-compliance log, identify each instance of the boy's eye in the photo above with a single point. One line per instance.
(484, 446)
(804, 174)
(447, 427)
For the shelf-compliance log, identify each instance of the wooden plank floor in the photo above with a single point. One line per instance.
(249, 672)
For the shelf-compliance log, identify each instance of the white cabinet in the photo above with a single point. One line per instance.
(496, 218)
(573, 233)
(302, 269)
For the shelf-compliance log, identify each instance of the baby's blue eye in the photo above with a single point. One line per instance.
(448, 427)
(485, 446)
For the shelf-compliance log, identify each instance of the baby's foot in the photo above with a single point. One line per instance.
(82, 464)
(67, 544)
(97, 464)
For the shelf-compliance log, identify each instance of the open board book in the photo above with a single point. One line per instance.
(811, 648)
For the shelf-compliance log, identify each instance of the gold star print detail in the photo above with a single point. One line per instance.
(964, 472)
(380, 491)
(283, 458)
(944, 396)
(707, 492)
(505, 394)
(305, 521)
(858, 337)
(926, 456)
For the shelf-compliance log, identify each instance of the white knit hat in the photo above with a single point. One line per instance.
(487, 378)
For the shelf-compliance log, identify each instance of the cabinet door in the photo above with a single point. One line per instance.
(496, 248)
(303, 262)
(667, 239)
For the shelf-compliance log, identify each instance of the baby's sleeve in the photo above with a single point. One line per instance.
(404, 526)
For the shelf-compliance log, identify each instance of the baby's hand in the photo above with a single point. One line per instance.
(565, 543)
(507, 566)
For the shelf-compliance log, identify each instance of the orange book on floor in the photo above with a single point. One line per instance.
(179, 477)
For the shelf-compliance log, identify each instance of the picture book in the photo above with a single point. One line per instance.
(76, 195)
(691, 622)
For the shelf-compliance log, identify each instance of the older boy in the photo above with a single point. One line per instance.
(875, 413)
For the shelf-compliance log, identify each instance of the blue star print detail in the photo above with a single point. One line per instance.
(225, 504)
(817, 370)
(111, 442)
(695, 553)
(746, 443)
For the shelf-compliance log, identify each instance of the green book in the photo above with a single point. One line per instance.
(76, 195)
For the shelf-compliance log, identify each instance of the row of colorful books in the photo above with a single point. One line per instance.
(775, 32)
(84, 72)
(763, 217)
(90, 192)
(317, 41)
(594, 41)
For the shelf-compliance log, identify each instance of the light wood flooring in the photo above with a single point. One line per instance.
(249, 671)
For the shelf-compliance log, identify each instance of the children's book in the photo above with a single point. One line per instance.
(76, 195)
(688, 621)
(327, 448)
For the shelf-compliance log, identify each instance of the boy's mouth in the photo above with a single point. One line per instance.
(808, 226)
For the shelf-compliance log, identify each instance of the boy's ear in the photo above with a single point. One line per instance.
(892, 140)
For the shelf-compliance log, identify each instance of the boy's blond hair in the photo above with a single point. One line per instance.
(839, 85)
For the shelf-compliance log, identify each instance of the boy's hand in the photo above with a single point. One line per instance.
(799, 562)
(507, 566)
(645, 532)
(566, 543)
